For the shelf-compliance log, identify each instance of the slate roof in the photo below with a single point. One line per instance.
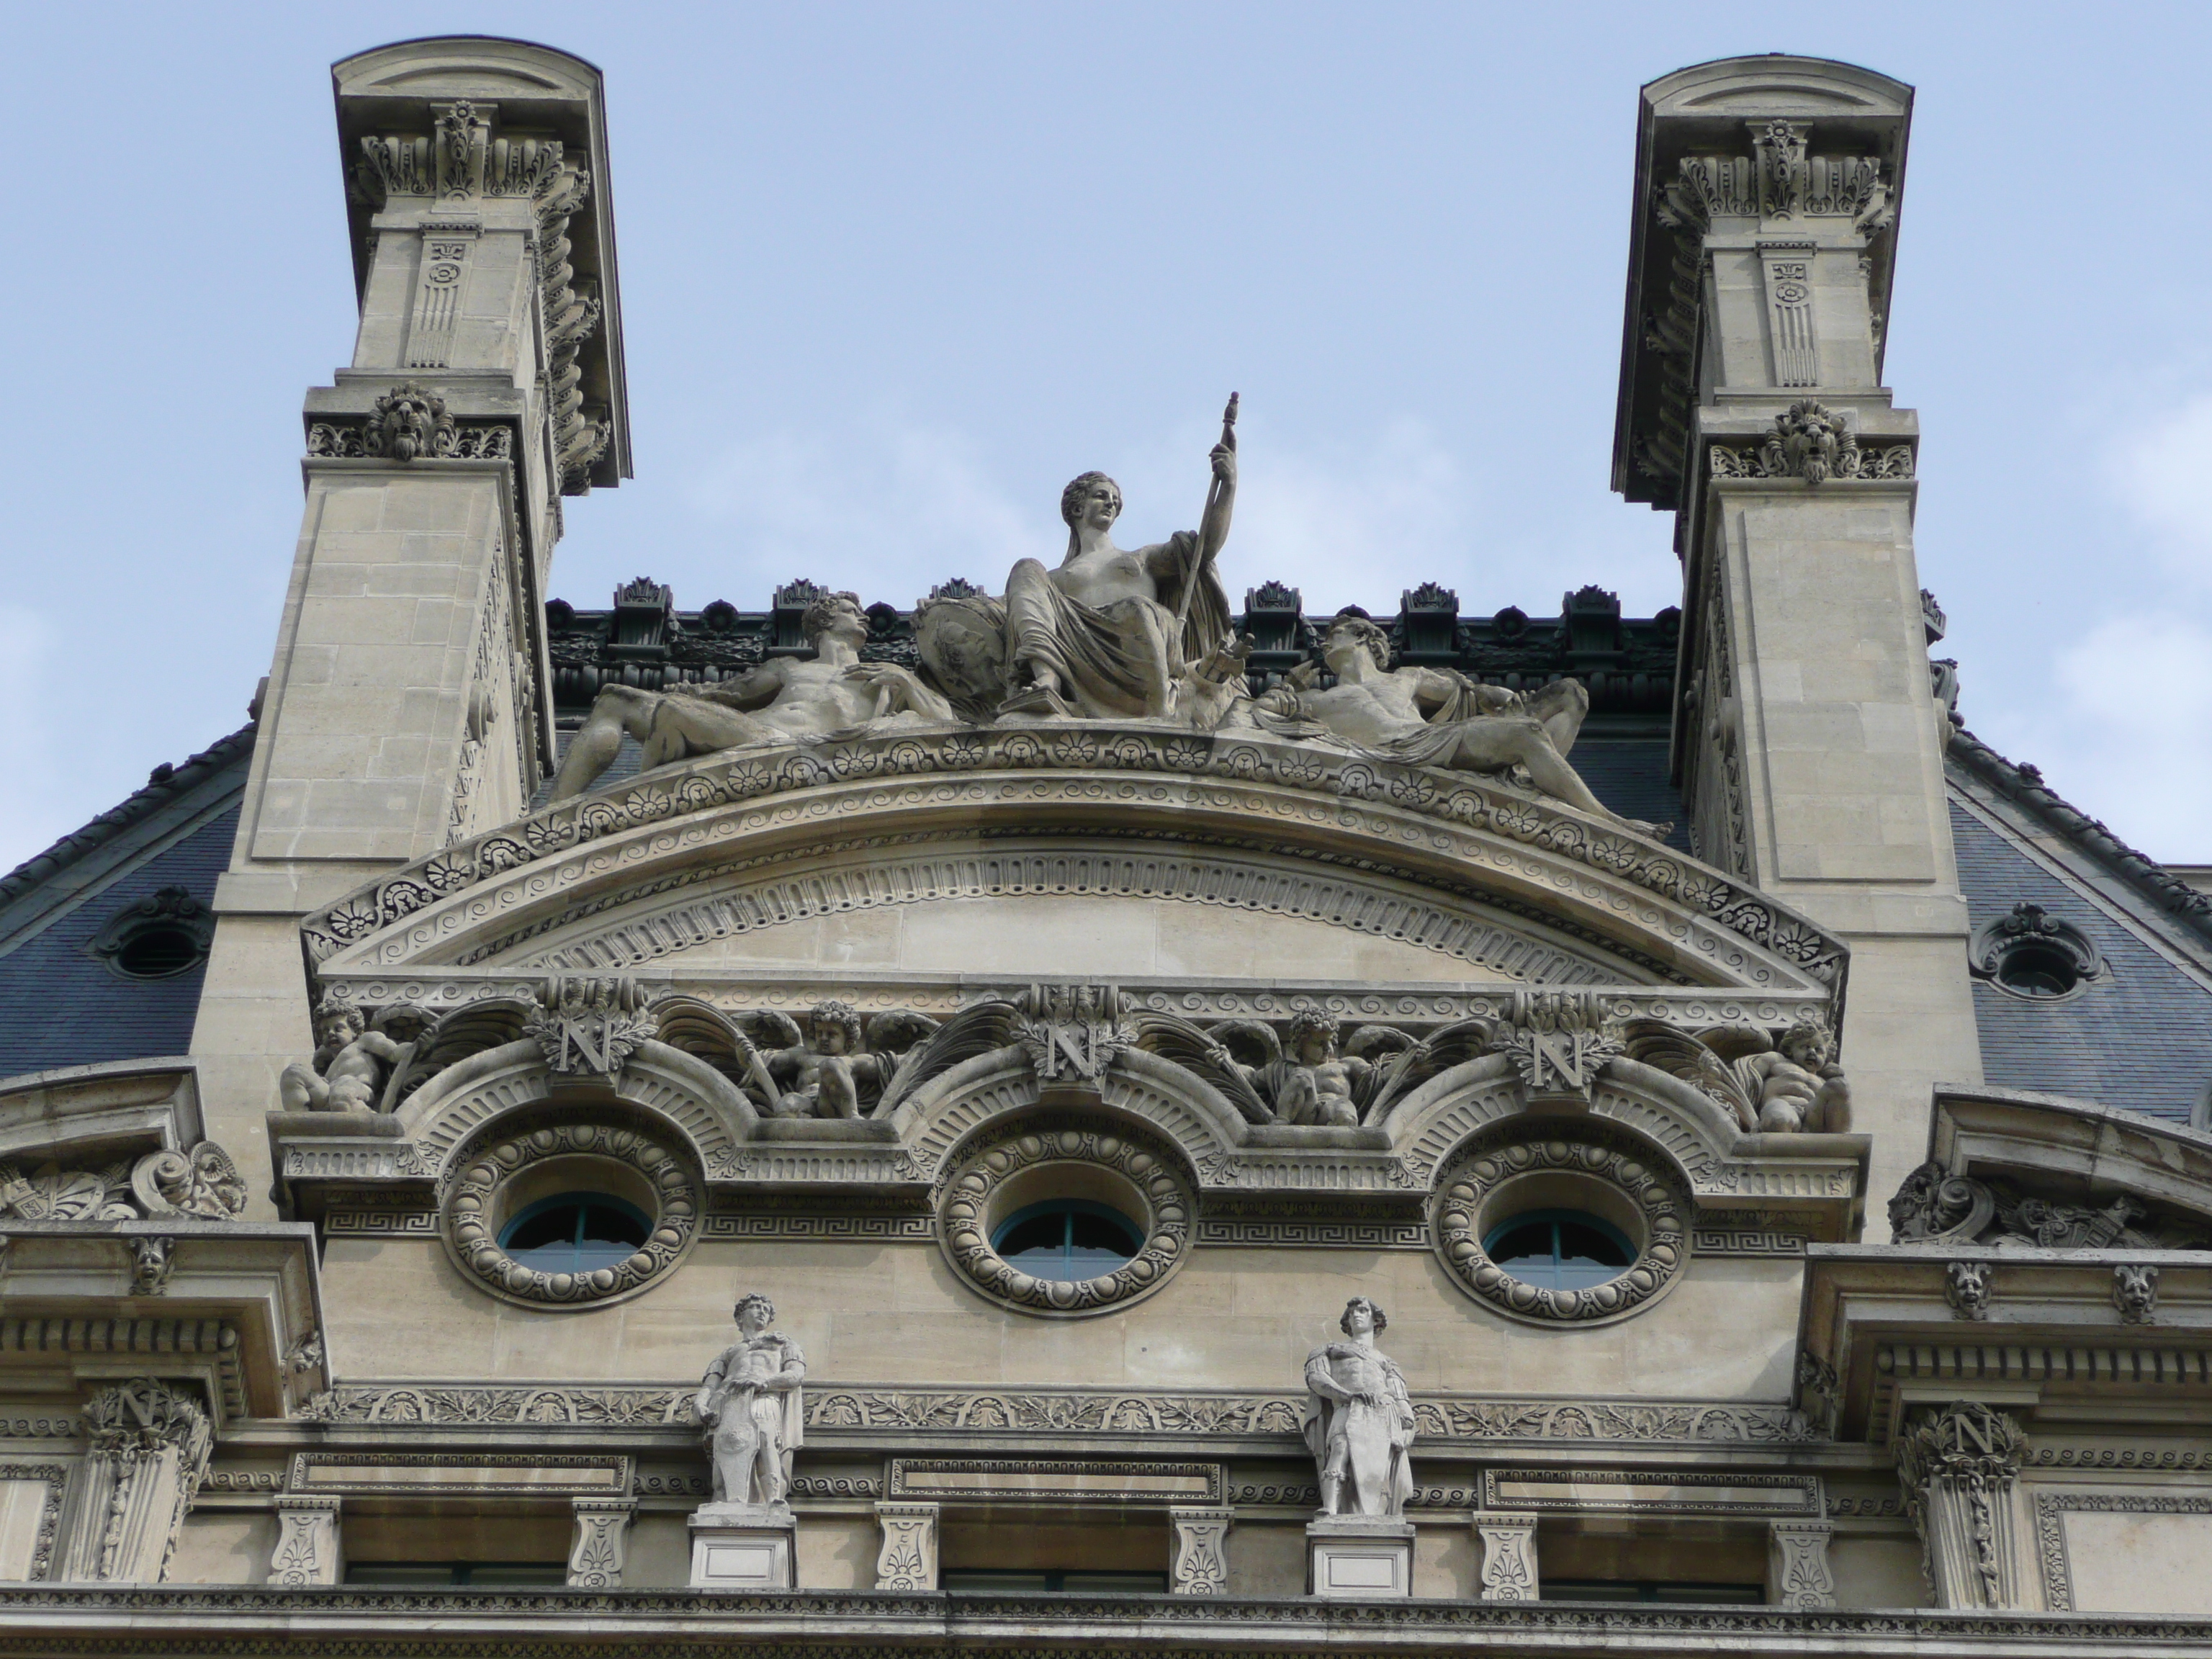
(2141, 1037)
(60, 1004)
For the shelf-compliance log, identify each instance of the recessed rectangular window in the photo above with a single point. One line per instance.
(983, 1582)
(438, 1575)
(1648, 1589)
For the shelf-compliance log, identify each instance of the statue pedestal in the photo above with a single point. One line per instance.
(1365, 1557)
(742, 1546)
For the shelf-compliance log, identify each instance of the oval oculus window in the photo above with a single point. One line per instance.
(1560, 1250)
(575, 1233)
(1068, 1238)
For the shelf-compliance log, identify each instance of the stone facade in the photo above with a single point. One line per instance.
(1056, 1024)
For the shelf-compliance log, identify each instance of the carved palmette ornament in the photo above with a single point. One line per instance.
(1142, 1159)
(1636, 1170)
(472, 1201)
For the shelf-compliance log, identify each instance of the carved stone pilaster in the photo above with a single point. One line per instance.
(1958, 1467)
(1201, 1552)
(1509, 1555)
(1797, 1564)
(908, 1560)
(309, 1548)
(150, 1444)
(600, 1544)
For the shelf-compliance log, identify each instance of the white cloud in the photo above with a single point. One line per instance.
(31, 814)
(2131, 740)
(2127, 734)
(2162, 473)
(890, 510)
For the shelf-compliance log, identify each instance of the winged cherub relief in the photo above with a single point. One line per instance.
(1785, 1084)
(833, 1065)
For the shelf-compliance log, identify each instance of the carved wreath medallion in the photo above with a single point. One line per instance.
(1146, 1163)
(469, 1218)
(1635, 1173)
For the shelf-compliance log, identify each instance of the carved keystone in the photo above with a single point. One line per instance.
(1509, 1555)
(908, 1560)
(1201, 1552)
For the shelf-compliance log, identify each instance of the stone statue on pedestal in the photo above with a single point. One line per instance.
(750, 1400)
(783, 700)
(1359, 1420)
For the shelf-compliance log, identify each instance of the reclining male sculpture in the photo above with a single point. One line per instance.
(783, 700)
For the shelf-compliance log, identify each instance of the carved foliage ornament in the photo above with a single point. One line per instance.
(472, 1202)
(1958, 1466)
(1523, 1147)
(1558, 1041)
(963, 1210)
(590, 1027)
(202, 1182)
(1935, 1206)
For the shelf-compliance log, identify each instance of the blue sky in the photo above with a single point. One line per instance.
(893, 273)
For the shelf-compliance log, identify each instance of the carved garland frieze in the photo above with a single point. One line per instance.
(1069, 1411)
(1147, 1163)
(472, 1201)
(1452, 798)
(1521, 1148)
(410, 423)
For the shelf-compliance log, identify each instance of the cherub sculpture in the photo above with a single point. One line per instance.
(1307, 1079)
(355, 1058)
(1801, 1088)
(1789, 1084)
(835, 1065)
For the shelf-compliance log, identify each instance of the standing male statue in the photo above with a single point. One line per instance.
(750, 1401)
(1359, 1419)
(1106, 634)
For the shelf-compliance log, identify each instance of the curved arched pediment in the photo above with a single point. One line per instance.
(1447, 864)
(712, 1114)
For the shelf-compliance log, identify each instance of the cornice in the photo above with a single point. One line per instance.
(1407, 823)
(461, 1624)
